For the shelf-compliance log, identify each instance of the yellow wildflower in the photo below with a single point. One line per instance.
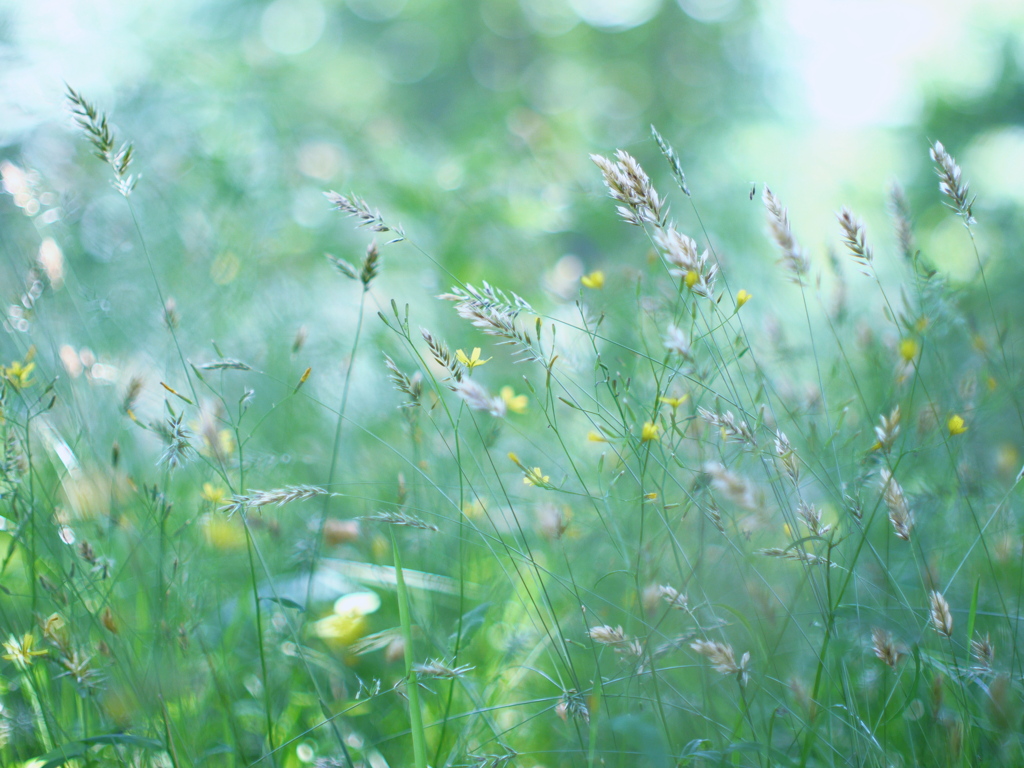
(909, 349)
(513, 402)
(956, 425)
(18, 374)
(222, 533)
(347, 622)
(649, 432)
(473, 509)
(22, 652)
(536, 477)
(742, 298)
(674, 402)
(596, 437)
(471, 361)
(691, 279)
(594, 280)
(214, 494)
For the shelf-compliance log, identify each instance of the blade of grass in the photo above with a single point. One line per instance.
(419, 745)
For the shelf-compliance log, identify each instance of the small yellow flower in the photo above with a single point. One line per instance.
(742, 298)
(956, 425)
(536, 477)
(18, 374)
(347, 622)
(22, 652)
(515, 403)
(214, 494)
(691, 279)
(594, 280)
(474, 509)
(596, 437)
(472, 361)
(650, 496)
(674, 402)
(909, 349)
(222, 533)
(649, 432)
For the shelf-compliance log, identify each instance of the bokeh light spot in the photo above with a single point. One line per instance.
(616, 15)
(291, 27)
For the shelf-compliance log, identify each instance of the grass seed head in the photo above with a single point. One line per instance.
(941, 618)
(899, 511)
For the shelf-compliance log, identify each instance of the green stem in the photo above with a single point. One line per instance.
(259, 640)
(419, 745)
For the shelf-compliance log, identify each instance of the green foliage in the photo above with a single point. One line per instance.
(674, 512)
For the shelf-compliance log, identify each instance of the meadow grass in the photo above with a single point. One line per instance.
(656, 529)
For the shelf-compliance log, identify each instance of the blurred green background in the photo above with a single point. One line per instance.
(470, 124)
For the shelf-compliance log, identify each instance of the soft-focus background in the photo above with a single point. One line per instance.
(471, 123)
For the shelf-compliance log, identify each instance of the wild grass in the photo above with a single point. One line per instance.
(654, 530)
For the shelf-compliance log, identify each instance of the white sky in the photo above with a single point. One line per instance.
(865, 62)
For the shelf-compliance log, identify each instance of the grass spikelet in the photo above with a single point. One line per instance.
(723, 659)
(811, 517)
(409, 385)
(888, 430)
(680, 251)
(676, 341)
(573, 705)
(358, 209)
(735, 487)
(400, 519)
(941, 618)
(494, 313)
(899, 211)
(795, 554)
(855, 240)
(277, 497)
(441, 669)
(984, 653)
(673, 160)
(899, 512)
(131, 396)
(884, 647)
(443, 356)
(674, 597)
(793, 260)
(371, 264)
(951, 183)
(226, 364)
(629, 184)
(790, 461)
(179, 449)
(608, 635)
(477, 398)
(728, 426)
(99, 133)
